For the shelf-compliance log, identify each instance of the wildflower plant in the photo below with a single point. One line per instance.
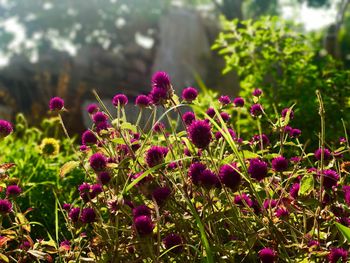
(192, 186)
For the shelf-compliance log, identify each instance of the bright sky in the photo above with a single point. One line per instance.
(312, 19)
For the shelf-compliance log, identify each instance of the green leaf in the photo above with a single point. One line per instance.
(68, 167)
(306, 184)
(344, 230)
(128, 126)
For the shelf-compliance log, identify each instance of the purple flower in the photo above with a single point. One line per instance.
(336, 254)
(257, 139)
(158, 96)
(96, 189)
(120, 99)
(224, 100)
(88, 215)
(257, 92)
(281, 212)
(285, 111)
(13, 190)
(88, 137)
(326, 154)
(211, 112)
(312, 243)
(225, 116)
(173, 165)
(5, 128)
(269, 203)
(65, 245)
(98, 161)
(280, 164)
(5, 206)
(287, 129)
(158, 127)
(92, 108)
(160, 194)
(243, 200)
(56, 104)
(66, 207)
(295, 133)
(342, 140)
(238, 102)
(74, 214)
(256, 110)
(189, 94)
(173, 241)
(188, 117)
(161, 88)
(199, 132)
(294, 190)
(155, 155)
(257, 169)
(195, 171)
(230, 176)
(161, 79)
(218, 134)
(104, 177)
(330, 178)
(99, 117)
(267, 255)
(208, 179)
(141, 210)
(143, 101)
(144, 225)
(346, 190)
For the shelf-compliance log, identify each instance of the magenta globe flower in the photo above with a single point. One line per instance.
(208, 179)
(92, 108)
(161, 88)
(120, 99)
(257, 92)
(256, 110)
(141, 210)
(88, 215)
(88, 138)
(5, 128)
(338, 255)
(5, 206)
(238, 102)
(257, 169)
(142, 101)
(189, 94)
(173, 242)
(294, 190)
(285, 112)
(56, 104)
(267, 255)
(144, 225)
(99, 117)
(161, 79)
(295, 133)
(195, 171)
(161, 194)
(104, 177)
(188, 117)
(211, 112)
(243, 200)
(199, 132)
(326, 154)
(330, 178)
(280, 164)
(230, 176)
(13, 190)
(155, 155)
(98, 162)
(224, 100)
(74, 214)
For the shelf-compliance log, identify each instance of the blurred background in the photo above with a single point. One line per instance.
(67, 48)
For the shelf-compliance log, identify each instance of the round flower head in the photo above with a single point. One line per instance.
(88, 215)
(173, 241)
(98, 161)
(199, 132)
(161, 88)
(269, 203)
(346, 190)
(120, 99)
(159, 127)
(280, 164)
(99, 117)
(5, 128)
(155, 155)
(144, 225)
(208, 179)
(13, 190)
(50, 147)
(294, 190)
(285, 112)
(195, 171)
(229, 176)
(211, 112)
(188, 117)
(281, 212)
(257, 139)
(65, 245)
(238, 102)
(88, 138)
(287, 129)
(295, 133)
(257, 169)
(96, 189)
(326, 154)
(342, 140)
(158, 96)
(336, 254)
(160, 194)
(243, 200)
(142, 101)
(224, 100)
(56, 104)
(189, 94)
(257, 92)
(74, 214)
(161, 79)
(218, 134)
(5, 206)
(66, 207)
(256, 110)
(225, 116)
(141, 210)
(104, 178)
(330, 178)
(267, 255)
(92, 108)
